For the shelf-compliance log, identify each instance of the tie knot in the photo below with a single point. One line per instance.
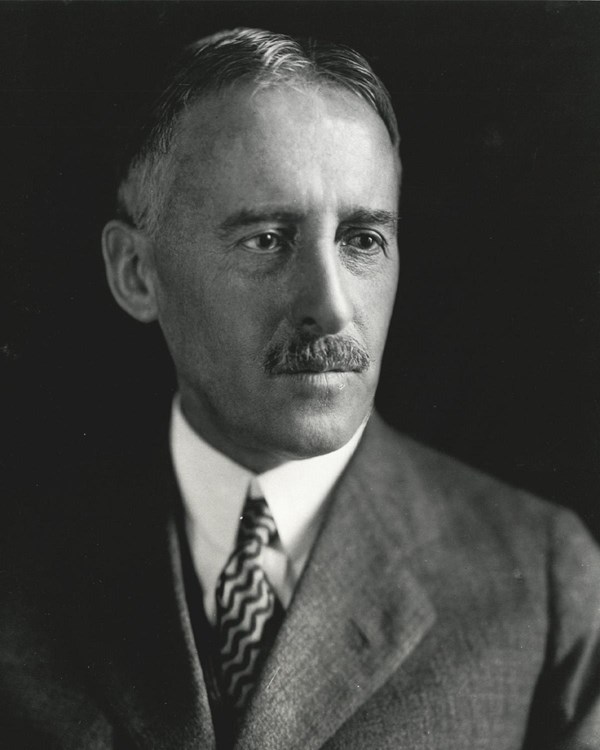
(257, 522)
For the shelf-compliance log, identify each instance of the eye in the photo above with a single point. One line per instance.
(369, 242)
(265, 242)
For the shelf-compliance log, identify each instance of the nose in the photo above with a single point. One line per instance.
(321, 304)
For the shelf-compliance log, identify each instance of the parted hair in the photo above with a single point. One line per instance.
(215, 62)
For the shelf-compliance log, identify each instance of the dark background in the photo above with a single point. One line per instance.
(494, 352)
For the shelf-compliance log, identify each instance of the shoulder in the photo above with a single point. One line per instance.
(471, 535)
(66, 531)
(468, 509)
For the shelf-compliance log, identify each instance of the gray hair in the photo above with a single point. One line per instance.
(215, 62)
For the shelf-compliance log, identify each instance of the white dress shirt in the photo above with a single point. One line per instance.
(214, 489)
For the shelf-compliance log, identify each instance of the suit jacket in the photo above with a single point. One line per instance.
(439, 610)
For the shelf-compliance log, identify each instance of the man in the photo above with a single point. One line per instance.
(374, 594)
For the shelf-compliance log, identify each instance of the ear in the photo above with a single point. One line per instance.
(129, 269)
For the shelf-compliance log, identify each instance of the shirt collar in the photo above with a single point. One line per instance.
(214, 489)
(296, 491)
(213, 486)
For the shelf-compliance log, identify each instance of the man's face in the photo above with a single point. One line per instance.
(278, 230)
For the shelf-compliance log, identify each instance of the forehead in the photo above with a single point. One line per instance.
(290, 144)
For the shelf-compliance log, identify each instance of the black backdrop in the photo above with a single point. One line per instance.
(494, 352)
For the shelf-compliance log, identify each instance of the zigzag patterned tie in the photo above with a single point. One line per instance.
(248, 611)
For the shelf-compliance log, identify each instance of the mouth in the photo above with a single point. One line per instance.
(319, 380)
(316, 370)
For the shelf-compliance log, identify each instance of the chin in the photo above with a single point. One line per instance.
(317, 435)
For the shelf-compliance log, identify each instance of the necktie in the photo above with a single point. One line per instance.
(248, 611)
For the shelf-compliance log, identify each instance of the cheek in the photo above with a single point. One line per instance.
(182, 313)
(377, 304)
(225, 326)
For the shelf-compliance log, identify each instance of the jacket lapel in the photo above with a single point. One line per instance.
(358, 611)
(136, 639)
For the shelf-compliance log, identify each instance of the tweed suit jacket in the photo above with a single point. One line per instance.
(439, 610)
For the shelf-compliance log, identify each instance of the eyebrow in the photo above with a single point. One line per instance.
(387, 219)
(247, 217)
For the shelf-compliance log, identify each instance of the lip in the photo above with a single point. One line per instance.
(321, 380)
(315, 373)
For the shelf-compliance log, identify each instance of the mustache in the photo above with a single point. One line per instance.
(323, 354)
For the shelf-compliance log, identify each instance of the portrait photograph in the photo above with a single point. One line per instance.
(300, 370)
